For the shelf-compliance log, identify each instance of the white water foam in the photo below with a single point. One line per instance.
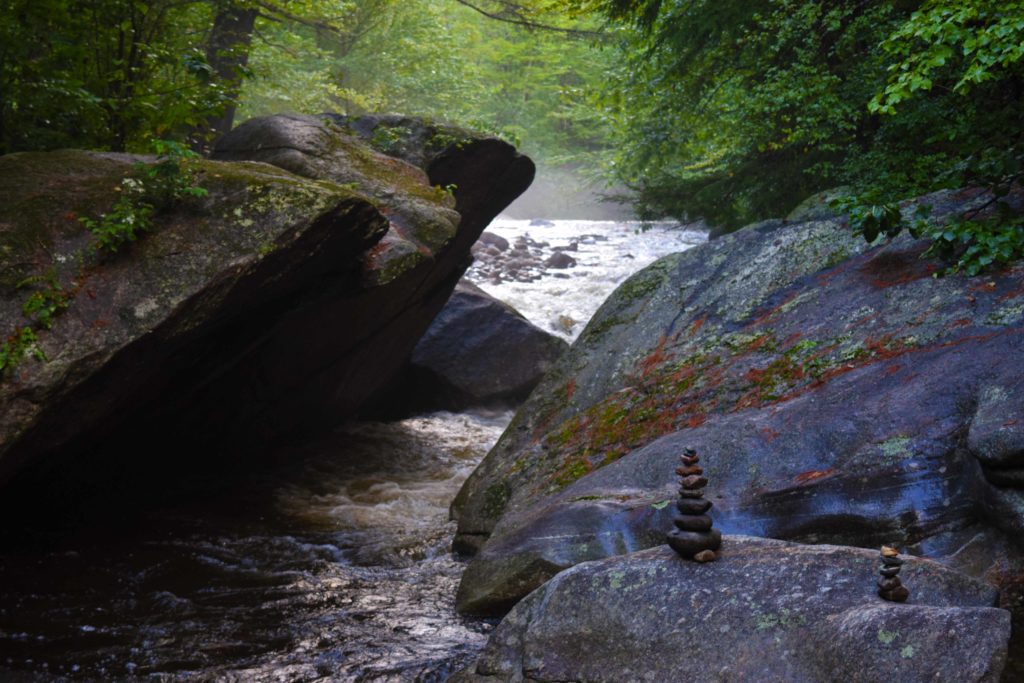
(607, 252)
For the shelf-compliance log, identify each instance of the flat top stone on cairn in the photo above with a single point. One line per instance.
(889, 585)
(693, 538)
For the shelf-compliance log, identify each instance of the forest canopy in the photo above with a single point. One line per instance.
(726, 110)
(735, 110)
(112, 74)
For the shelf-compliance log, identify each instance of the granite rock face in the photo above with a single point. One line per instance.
(276, 304)
(479, 351)
(837, 394)
(765, 611)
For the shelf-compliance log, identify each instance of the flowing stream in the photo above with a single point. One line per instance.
(331, 565)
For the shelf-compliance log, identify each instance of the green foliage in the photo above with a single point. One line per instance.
(968, 243)
(960, 61)
(129, 216)
(113, 74)
(446, 192)
(21, 343)
(153, 187)
(173, 176)
(735, 111)
(440, 60)
(868, 219)
(979, 40)
(43, 305)
(104, 74)
(973, 246)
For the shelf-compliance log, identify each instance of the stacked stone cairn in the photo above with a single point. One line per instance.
(693, 537)
(889, 585)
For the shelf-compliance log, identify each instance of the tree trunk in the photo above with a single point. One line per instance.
(227, 53)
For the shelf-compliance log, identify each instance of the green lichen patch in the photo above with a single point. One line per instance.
(887, 637)
(896, 448)
(495, 499)
(668, 393)
(1006, 315)
(783, 619)
(392, 260)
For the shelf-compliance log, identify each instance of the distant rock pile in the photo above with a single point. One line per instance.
(889, 585)
(693, 536)
(525, 259)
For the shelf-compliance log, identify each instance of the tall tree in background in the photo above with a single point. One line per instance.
(441, 59)
(111, 73)
(335, 27)
(95, 73)
(227, 56)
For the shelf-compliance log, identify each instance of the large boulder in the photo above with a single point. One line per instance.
(838, 393)
(765, 611)
(479, 351)
(276, 304)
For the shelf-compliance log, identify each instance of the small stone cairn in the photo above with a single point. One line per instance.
(889, 585)
(693, 537)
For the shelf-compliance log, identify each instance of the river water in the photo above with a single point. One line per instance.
(331, 565)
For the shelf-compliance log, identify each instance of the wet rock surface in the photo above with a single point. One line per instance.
(478, 351)
(831, 388)
(278, 303)
(765, 611)
(524, 260)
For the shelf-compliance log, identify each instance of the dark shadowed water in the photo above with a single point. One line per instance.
(334, 567)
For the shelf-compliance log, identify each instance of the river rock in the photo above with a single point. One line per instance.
(765, 611)
(560, 260)
(491, 239)
(838, 393)
(478, 351)
(276, 304)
